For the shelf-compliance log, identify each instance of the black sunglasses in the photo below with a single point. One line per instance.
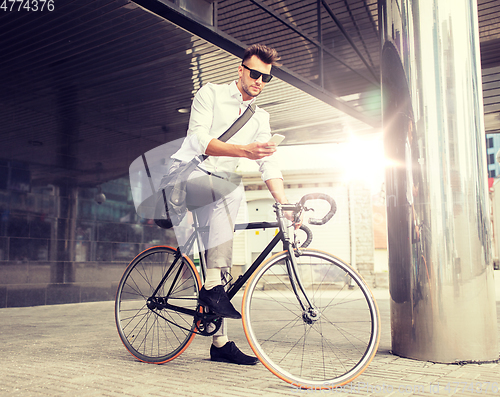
(255, 74)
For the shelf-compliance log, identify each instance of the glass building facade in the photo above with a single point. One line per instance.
(60, 245)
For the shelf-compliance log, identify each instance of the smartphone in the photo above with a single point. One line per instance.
(277, 139)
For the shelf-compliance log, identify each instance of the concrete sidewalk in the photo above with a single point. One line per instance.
(75, 350)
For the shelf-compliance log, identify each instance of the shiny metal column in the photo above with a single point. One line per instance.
(440, 262)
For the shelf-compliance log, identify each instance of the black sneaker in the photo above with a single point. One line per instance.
(229, 353)
(216, 299)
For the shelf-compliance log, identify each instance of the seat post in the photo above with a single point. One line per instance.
(201, 251)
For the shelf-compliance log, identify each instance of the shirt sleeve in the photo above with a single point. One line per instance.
(200, 120)
(268, 166)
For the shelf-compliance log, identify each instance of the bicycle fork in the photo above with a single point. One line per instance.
(310, 313)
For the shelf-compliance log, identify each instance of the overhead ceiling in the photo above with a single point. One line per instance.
(87, 88)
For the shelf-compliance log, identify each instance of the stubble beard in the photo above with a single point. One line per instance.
(247, 90)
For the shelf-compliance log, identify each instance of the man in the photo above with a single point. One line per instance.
(211, 189)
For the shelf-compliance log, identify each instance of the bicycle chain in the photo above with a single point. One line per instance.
(203, 330)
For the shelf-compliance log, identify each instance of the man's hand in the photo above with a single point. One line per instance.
(277, 189)
(290, 216)
(258, 150)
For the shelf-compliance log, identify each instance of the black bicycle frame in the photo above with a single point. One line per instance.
(242, 279)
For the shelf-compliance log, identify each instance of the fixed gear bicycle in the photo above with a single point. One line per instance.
(308, 316)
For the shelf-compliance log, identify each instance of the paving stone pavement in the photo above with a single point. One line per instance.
(75, 350)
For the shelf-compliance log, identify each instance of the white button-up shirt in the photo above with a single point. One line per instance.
(214, 109)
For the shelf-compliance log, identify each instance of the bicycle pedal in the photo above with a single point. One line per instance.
(206, 311)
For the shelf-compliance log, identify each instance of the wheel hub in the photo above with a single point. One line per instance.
(310, 316)
(156, 303)
(151, 304)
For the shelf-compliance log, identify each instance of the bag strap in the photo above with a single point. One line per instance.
(239, 123)
(235, 127)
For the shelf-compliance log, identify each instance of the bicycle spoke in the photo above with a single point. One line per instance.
(345, 332)
(293, 346)
(173, 331)
(269, 338)
(136, 289)
(282, 304)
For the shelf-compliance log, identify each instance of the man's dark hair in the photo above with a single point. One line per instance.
(265, 54)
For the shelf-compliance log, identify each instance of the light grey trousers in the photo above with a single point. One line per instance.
(215, 200)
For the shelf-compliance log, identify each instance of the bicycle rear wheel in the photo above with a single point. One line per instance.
(320, 352)
(152, 334)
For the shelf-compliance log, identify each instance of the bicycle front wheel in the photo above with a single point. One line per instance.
(149, 331)
(324, 350)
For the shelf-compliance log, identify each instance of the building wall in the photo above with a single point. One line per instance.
(363, 241)
(57, 245)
